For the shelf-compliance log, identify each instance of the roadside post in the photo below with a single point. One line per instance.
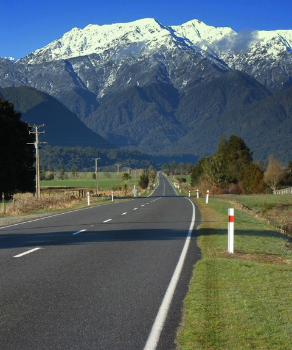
(231, 230)
(189, 194)
(88, 199)
(197, 193)
(112, 196)
(134, 191)
(207, 197)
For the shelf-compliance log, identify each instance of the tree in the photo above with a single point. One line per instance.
(214, 171)
(197, 172)
(182, 168)
(253, 179)
(152, 174)
(232, 163)
(126, 177)
(165, 168)
(62, 172)
(189, 168)
(235, 157)
(287, 180)
(274, 173)
(16, 155)
(74, 171)
(144, 181)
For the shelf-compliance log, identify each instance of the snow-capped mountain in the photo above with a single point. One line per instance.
(266, 55)
(146, 34)
(116, 76)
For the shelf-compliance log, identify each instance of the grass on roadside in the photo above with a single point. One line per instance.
(241, 300)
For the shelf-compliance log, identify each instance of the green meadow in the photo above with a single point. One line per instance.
(241, 300)
(105, 180)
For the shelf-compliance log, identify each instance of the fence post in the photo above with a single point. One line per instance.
(231, 230)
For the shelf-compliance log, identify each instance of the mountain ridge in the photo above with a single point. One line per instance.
(159, 88)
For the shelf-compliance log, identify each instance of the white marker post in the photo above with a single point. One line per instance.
(88, 199)
(189, 194)
(112, 196)
(197, 193)
(207, 197)
(231, 230)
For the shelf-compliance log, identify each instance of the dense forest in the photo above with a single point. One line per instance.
(83, 158)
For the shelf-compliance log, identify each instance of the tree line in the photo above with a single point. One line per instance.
(232, 168)
(54, 158)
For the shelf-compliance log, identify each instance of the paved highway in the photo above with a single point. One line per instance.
(106, 277)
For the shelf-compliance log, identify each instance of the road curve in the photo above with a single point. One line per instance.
(97, 278)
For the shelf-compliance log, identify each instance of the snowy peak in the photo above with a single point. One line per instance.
(97, 39)
(150, 35)
(149, 32)
(197, 31)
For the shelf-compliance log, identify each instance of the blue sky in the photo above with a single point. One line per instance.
(27, 25)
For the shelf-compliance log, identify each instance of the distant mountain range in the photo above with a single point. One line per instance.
(168, 90)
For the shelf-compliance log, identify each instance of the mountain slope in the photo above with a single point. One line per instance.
(265, 125)
(62, 127)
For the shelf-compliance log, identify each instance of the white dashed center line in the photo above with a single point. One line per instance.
(107, 220)
(76, 233)
(25, 253)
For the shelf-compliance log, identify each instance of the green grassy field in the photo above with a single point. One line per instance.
(241, 300)
(105, 180)
(263, 202)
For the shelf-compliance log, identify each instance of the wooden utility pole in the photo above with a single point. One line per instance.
(118, 165)
(37, 156)
(96, 182)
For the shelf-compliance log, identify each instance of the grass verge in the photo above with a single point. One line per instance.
(241, 300)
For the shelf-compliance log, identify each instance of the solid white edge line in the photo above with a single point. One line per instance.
(76, 233)
(157, 327)
(63, 213)
(25, 253)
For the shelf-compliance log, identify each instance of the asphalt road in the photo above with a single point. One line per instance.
(96, 278)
